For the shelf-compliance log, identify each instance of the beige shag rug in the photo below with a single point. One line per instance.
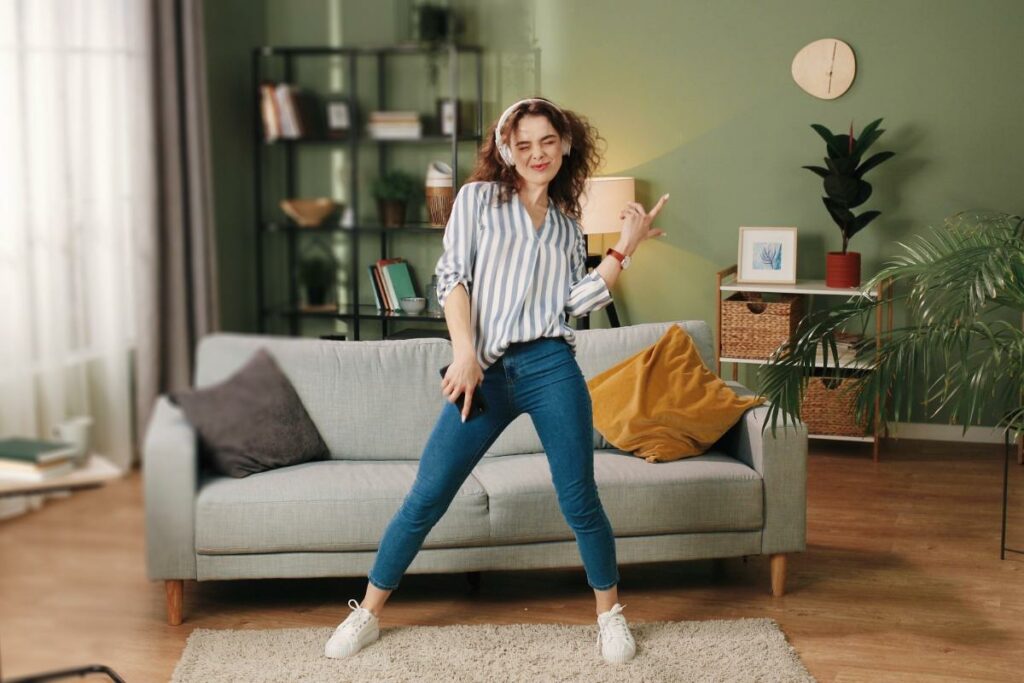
(716, 650)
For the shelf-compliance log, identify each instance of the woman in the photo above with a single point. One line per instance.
(512, 271)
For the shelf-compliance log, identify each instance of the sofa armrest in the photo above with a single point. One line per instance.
(170, 470)
(781, 460)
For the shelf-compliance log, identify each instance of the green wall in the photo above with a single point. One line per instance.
(695, 98)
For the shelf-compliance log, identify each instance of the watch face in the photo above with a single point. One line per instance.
(625, 262)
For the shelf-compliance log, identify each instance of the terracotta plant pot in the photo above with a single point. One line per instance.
(842, 270)
(391, 212)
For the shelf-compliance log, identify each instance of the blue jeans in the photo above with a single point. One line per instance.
(540, 378)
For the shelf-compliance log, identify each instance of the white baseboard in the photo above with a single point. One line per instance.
(939, 432)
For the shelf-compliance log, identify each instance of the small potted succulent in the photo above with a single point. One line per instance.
(845, 188)
(317, 274)
(393, 190)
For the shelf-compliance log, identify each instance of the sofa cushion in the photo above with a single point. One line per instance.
(710, 492)
(663, 404)
(252, 421)
(337, 505)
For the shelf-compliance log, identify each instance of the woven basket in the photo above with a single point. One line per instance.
(830, 407)
(754, 328)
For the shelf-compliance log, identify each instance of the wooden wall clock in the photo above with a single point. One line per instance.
(825, 68)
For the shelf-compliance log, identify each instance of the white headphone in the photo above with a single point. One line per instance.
(505, 150)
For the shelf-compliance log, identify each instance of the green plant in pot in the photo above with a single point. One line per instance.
(845, 189)
(393, 190)
(962, 350)
(318, 275)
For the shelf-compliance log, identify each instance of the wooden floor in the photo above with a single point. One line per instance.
(901, 580)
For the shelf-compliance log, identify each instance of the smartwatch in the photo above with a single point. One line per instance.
(623, 259)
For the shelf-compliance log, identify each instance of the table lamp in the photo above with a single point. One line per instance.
(602, 201)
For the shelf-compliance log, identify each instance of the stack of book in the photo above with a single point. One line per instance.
(848, 345)
(395, 125)
(287, 112)
(392, 282)
(35, 460)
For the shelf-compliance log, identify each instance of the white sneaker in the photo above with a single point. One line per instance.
(359, 629)
(614, 639)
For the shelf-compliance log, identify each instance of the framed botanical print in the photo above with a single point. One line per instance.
(766, 255)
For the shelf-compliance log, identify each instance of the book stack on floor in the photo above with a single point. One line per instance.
(395, 125)
(392, 282)
(35, 460)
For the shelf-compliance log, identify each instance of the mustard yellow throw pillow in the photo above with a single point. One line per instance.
(662, 403)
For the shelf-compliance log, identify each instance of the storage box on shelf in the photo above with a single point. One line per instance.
(750, 330)
(753, 328)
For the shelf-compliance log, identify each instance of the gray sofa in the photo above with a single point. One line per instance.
(375, 403)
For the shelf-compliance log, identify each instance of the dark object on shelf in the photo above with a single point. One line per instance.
(318, 275)
(333, 337)
(436, 23)
(415, 333)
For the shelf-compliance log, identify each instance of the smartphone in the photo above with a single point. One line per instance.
(477, 406)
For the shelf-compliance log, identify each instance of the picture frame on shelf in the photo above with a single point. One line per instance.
(339, 115)
(766, 255)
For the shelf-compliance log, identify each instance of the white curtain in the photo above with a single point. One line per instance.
(77, 198)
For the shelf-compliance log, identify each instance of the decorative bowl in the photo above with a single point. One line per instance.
(413, 304)
(309, 213)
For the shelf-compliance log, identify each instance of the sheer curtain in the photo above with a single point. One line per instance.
(77, 191)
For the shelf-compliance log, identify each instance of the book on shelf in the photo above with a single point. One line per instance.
(395, 125)
(288, 112)
(389, 286)
(401, 280)
(375, 286)
(269, 113)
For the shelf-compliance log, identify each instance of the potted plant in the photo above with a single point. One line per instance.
(845, 188)
(954, 354)
(393, 190)
(317, 274)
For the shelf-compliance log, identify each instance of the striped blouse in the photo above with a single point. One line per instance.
(523, 283)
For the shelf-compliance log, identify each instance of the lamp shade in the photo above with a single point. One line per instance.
(603, 199)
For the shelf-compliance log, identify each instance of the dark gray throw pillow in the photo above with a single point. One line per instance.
(253, 421)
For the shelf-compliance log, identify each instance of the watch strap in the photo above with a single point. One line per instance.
(619, 255)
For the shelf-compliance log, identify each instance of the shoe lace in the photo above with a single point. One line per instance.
(358, 622)
(614, 626)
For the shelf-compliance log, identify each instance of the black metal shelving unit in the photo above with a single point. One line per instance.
(353, 313)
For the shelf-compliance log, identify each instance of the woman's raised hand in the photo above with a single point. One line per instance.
(636, 226)
(462, 377)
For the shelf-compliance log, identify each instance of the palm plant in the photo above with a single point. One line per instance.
(959, 284)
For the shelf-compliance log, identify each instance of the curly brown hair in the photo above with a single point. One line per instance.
(569, 183)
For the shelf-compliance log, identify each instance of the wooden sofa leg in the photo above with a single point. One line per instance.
(175, 588)
(778, 567)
